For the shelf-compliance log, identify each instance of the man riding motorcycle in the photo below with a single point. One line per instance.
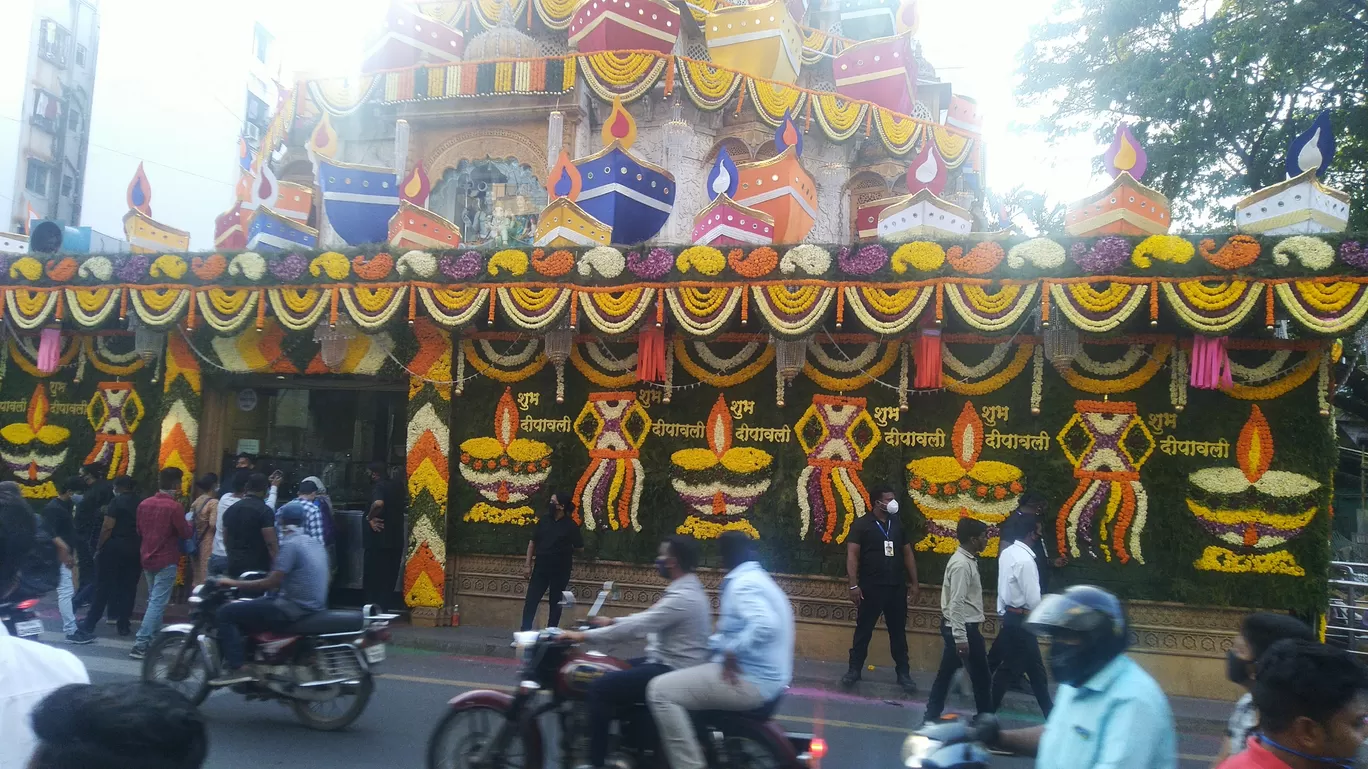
(300, 574)
(1108, 713)
(676, 628)
(752, 656)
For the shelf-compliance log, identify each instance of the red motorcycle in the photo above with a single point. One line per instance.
(486, 729)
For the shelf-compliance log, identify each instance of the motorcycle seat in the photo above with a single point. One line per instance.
(762, 713)
(328, 621)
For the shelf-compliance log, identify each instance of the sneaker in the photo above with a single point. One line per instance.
(233, 678)
(139, 651)
(80, 638)
(851, 677)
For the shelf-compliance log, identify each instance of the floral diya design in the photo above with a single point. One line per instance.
(31, 450)
(946, 489)
(1251, 509)
(721, 482)
(505, 469)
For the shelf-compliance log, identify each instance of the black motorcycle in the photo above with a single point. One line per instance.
(321, 666)
(20, 620)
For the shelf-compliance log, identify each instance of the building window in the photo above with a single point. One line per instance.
(68, 184)
(36, 180)
(261, 43)
(46, 109)
(74, 118)
(80, 55)
(52, 42)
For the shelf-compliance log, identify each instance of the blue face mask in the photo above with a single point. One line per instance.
(1345, 763)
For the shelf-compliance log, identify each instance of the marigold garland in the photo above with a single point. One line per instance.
(920, 255)
(997, 311)
(1132, 381)
(1325, 308)
(601, 378)
(554, 265)
(982, 259)
(1238, 251)
(1294, 379)
(1213, 309)
(1098, 311)
(758, 264)
(517, 372)
(705, 259)
(1165, 248)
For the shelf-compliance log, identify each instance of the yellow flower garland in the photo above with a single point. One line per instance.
(1089, 298)
(1116, 305)
(483, 512)
(497, 374)
(702, 302)
(1328, 298)
(844, 384)
(1224, 560)
(995, 382)
(994, 303)
(1336, 319)
(1234, 313)
(793, 301)
(1213, 298)
(705, 259)
(743, 374)
(1132, 381)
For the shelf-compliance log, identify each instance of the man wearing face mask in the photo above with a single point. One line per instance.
(1313, 702)
(553, 544)
(1258, 632)
(676, 630)
(1108, 712)
(879, 565)
(961, 616)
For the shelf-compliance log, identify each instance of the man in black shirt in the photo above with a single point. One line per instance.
(879, 561)
(118, 561)
(382, 537)
(553, 543)
(95, 494)
(57, 519)
(249, 535)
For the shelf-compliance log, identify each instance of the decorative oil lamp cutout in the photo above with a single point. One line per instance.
(724, 222)
(1251, 509)
(1124, 207)
(1302, 204)
(506, 470)
(721, 483)
(34, 449)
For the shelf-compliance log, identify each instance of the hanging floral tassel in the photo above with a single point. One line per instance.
(1178, 379)
(1324, 385)
(779, 384)
(1210, 364)
(458, 350)
(905, 354)
(81, 365)
(560, 381)
(49, 349)
(1037, 378)
(669, 372)
(928, 359)
(651, 354)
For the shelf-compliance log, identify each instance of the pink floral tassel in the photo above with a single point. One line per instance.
(1210, 364)
(49, 349)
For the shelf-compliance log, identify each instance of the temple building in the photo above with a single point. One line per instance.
(711, 267)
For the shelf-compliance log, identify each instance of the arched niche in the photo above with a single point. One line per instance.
(495, 201)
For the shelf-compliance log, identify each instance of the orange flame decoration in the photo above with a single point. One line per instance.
(38, 407)
(619, 127)
(720, 429)
(1255, 447)
(565, 180)
(967, 440)
(506, 419)
(140, 192)
(243, 191)
(415, 189)
(323, 141)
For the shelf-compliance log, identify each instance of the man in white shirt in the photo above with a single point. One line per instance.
(29, 671)
(1018, 592)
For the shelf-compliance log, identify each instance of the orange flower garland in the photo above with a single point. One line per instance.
(758, 264)
(375, 268)
(982, 259)
(1239, 251)
(555, 265)
(208, 269)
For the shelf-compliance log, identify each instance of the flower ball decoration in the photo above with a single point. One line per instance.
(1252, 510)
(946, 489)
(720, 483)
(506, 470)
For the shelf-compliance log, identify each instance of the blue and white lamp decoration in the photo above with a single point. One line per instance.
(1301, 204)
(724, 222)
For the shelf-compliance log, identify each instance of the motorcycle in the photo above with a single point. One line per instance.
(950, 744)
(486, 729)
(321, 666)
(20, 620)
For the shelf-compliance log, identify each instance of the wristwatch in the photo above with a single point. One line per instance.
(854, 587)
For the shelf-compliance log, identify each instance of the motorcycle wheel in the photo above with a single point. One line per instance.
(461, 735)
(158, 666)
(338, 712)
(744, 747)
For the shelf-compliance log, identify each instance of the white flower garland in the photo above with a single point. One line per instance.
(1037, 377)
(1138, 522)
(1264, 371)
(1323, 384)
(803, 325)
(41, 318)
(669, 371)
(606, 260)
(723, 365)
(708, 328)
(372, 321)
(860, 362)
(458, 352)
(979, 370)
(152, 317)
(90, 319)
(532, 322)
(1123, 365)
(812, 260)
(420, 263)
(904, 366)
(613, 327)
(604, 360)
(232, 323)
(510, 361)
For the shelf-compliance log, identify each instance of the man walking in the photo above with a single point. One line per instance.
(57, 518)
(1018, 592)
(382, 537)
(95, 495)
(752, 656)
(313, 514)
(118, 560)
(162, 526)
(961, 616)
(879, 564)
(249, 533)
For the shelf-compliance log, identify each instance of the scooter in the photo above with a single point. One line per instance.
(950, 744)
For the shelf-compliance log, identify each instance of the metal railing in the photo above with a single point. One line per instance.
(1346, 619)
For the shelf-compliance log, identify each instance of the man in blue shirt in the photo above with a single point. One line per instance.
(752, 659)
(1108, 713)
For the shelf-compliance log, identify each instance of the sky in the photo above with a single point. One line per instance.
(171, 85)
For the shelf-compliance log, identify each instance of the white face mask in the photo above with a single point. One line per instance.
(892, 507)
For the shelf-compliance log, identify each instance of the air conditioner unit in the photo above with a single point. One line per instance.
(252, 132)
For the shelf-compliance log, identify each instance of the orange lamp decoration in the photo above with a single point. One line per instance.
(721, 483)
(1124, 207)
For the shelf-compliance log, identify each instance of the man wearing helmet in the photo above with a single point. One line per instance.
(1108, 713)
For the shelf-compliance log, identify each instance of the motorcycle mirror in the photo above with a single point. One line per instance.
(567, 599)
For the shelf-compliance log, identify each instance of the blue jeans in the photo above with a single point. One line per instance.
(66, 588)
(159, 584)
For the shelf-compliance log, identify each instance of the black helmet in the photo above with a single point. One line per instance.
(1088, 627)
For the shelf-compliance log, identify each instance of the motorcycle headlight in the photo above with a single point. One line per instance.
(916, 748)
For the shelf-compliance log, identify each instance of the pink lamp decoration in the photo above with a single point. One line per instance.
(927, 171)
(1210, 364)
(49, 349)
(1126, 155)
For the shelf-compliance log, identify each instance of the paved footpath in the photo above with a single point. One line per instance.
(864, 729)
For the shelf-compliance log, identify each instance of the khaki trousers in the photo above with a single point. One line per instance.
(673, 695)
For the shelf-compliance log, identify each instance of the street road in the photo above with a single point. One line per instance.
(414, 686)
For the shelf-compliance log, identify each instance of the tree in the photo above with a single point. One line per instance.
(1215, 90)
(1027, 209)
